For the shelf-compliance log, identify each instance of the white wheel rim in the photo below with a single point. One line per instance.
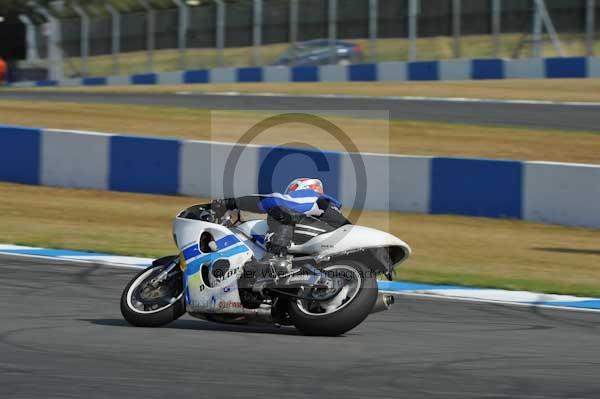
(342, 299)
(135, 284)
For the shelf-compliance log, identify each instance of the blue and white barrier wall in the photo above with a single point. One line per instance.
(459, 69)
(541, 191)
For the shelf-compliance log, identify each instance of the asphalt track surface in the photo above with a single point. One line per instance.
(525, 115)
(62, 335)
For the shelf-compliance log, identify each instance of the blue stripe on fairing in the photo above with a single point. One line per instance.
(194, 266)
(402, 286)
(192, 251)
(227, 241)
(259, 238)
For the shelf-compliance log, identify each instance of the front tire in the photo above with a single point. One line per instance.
(338, 315)
(145, 306)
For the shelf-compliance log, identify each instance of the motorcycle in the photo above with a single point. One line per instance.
(328, 285)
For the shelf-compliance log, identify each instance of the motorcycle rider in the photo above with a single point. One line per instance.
(300, 213)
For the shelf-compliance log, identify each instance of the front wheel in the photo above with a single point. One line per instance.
(147, 305)
(340, 309)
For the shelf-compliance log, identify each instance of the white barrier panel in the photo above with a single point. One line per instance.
(333, 73)
(455, 69)
(74, 159)
(410, 183)
(531, 68)
(276, 74)
(202, 169)
(594, 67)
(399, 183)
(392, 71)
(118, 80)
(170, 78)
(562, 193)
(223, 75)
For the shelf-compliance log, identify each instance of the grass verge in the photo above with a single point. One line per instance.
(369, 135)
(447, 249)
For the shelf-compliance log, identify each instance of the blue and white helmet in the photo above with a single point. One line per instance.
(305, 183)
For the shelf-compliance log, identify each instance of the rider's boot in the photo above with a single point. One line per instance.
(274, 264)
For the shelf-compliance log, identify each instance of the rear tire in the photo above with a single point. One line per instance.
(349, 314)
(140, 316)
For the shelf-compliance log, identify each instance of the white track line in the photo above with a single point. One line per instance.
(402, 98)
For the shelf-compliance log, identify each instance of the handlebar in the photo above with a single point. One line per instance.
(205, 213)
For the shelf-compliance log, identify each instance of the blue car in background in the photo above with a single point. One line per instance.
(318, 52)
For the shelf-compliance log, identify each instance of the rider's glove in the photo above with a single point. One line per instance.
(220, 206)
(285, 215)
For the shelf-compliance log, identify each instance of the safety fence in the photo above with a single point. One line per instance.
(146, 37)
(549, 192)
(532, 68)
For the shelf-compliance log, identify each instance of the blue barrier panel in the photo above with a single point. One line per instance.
(144, 165)
(46, 83)
(487, 69)
(196, 76)
(423, 70)
(250, 74)
(305, 74)
(362, 72)
(144, 79)
(571, 67)
(477, 187)
(20, 154)
(94, 81)
(280, 165)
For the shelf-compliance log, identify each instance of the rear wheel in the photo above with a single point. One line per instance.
(339, 309)
(147, 305)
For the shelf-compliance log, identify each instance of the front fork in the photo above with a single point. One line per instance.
(162, 276)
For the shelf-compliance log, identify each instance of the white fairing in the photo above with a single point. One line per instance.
(347, 238)
(210, 296)
(206, 294)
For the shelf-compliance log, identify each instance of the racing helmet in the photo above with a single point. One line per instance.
(305, 183)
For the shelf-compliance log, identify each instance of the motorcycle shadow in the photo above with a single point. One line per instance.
(201, 325)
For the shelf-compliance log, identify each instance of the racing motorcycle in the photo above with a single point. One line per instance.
(328, 285)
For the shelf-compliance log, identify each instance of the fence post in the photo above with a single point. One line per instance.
(55, 54)
(456, 19)
(589, 27)
(115, 36)
(84, 39)
(149, 33)
(537, 30)
(32, 50)
(413, 13)
(373, 6)
(332, 29)
(541, 6)
(293, 29)
(257, 32)
(220, 31)
(496, 21)
(184, 22)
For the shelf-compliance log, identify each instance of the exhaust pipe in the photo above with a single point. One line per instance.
(384, 301)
